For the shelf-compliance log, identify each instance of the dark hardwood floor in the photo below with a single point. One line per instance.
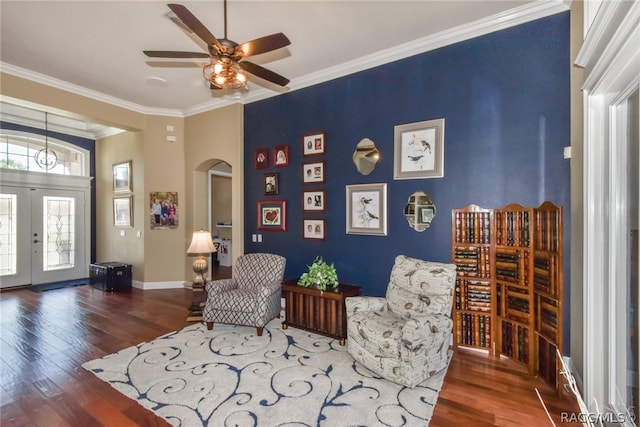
(45, 337)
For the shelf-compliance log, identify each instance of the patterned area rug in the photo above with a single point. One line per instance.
(230, 377)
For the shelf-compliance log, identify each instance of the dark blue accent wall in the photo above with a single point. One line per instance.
(84, 143)
(505, 100)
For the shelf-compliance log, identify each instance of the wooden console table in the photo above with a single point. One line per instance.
(317, 311)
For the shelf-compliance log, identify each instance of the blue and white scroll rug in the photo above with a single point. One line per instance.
(230, 377)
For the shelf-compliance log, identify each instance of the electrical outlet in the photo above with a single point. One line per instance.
(259, 238)
(254, 238)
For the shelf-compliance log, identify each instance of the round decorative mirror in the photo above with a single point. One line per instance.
(366, 156)
(419, 211)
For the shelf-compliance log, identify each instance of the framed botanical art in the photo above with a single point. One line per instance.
(367, 209)
(314, 201)
(314, 144)
(122, 177)
(313, 173)
(122, 216)
(419, 150)
(313, 229)
(272, 215)
(281, 155)
(261, 158)
(270, 184)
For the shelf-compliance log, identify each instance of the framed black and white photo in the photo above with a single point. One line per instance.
(313, 229)
(122, 217)
(314, 144)
(122, 177)
(419, 150)
(270, 184)
(280, 156)
(314, 201)
(313, 172)
(367, 209)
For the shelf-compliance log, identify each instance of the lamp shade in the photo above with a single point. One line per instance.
(201, 243)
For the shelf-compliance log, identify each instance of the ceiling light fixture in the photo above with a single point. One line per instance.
(224, 73)
(227, 67)
(46, 158)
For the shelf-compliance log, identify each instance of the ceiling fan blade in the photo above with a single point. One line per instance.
(174, 54)
(263, 73)
(194, 24)
(264, 44)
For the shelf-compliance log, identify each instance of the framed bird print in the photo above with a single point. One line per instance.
(367, 209)
(418, 151)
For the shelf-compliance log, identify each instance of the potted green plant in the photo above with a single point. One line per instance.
(320, 275)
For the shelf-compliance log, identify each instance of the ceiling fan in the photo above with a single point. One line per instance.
(226, 68)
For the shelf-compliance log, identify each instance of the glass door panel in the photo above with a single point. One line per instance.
(57, 232)
(15, 246)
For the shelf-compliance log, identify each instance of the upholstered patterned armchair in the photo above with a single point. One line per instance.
(251, 297)
(405, 336)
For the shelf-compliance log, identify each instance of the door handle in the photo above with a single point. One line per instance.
(37, 241)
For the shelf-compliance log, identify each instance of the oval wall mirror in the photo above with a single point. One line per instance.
(419, 211)
(366, 156)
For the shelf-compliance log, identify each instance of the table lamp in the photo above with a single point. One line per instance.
(201, 245)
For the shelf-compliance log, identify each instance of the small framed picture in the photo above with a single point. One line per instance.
(122, 212)
(367, 209)
(313, 201)
(314, 229)
(281, 155)
(313, 173)
(270, 184)
(418, 150)
(272, 215)
(164, 210)
(313, 144)
(122, 177)
(261, 158)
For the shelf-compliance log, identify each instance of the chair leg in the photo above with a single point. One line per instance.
(259, 330)
(209, 325)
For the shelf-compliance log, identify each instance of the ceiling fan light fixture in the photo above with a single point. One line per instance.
(225, 74)
(227, 68)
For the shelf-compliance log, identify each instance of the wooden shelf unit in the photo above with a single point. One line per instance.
(513, 279)
(474, 303)
(548, 282)
(508, 293)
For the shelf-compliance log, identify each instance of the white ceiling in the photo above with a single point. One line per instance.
(95, 47)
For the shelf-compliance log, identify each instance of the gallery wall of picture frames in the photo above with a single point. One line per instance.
(418, 154)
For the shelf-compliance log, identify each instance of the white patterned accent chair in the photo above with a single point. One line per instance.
(405, 336)
(251, 297)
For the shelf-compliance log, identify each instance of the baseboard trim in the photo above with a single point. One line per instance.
(146, 286)
(576, 375)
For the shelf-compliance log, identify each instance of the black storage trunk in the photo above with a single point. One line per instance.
(111, 276)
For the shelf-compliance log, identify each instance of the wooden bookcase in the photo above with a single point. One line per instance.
(475, 299)
(513, 281)
(508, 293)
(548, 282)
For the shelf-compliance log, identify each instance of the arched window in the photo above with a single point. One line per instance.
(35, 153)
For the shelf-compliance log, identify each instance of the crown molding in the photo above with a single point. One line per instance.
(501, 21)
(83, 91)
(507, 19)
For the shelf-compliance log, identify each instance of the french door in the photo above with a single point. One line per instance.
(43, 235)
